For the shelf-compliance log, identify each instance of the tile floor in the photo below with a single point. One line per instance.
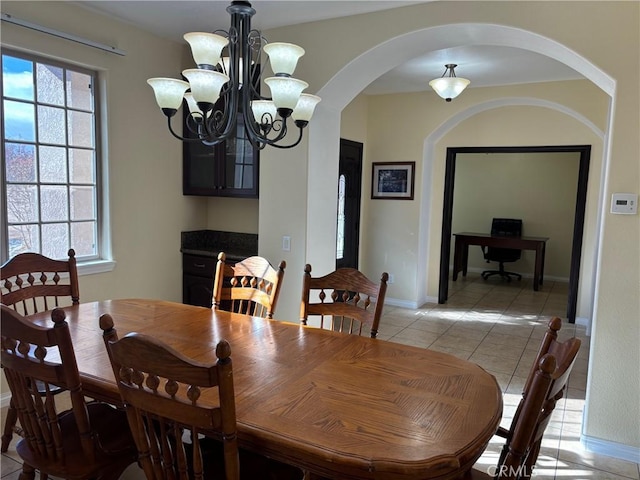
(497, 325)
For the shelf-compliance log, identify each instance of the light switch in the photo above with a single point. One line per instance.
(286, 243)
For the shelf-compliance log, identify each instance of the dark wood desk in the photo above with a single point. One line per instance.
(464, 239)
(341, 406)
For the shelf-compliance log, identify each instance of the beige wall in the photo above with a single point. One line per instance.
(144, 168)
(603, 45)
(392, 227)
(538, 188)
(232, 214)
(148, 210)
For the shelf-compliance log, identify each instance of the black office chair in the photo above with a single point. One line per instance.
(504, 227)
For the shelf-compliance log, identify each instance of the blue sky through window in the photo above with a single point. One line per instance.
(17, 81)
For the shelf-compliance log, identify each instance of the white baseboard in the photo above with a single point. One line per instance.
(585, 322)
(395, 302)
(611, 449)
(524, 275)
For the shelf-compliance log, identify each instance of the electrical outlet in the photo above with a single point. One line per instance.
(286, 243)
(391, 278)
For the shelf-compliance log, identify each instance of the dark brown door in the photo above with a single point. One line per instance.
(349, 191)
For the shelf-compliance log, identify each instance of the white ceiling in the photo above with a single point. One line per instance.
(483, 65)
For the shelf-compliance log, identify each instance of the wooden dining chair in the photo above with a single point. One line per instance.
(545, 386)
(250, 287)
(180, 429)
(91, 439)
(347, 300)
(34, 283)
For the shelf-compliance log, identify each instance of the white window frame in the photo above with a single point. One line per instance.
(102, 261)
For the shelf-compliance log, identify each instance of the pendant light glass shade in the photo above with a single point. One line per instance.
(449, 87)
(283, 57)
(193, 105)
(169, 91)
(206, 48)
(285, 91)
(205, 84)
(264, 111)
(305, 107)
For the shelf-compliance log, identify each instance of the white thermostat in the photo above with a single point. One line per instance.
(624, 203)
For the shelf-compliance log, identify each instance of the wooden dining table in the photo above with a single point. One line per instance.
(337, 405)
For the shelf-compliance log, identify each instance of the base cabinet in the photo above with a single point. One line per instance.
(197, 290)
(197, 279)
(198, 273)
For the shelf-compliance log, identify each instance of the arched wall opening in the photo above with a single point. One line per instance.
(586, 287)
(324, 131)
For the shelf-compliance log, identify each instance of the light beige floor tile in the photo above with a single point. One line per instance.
(456, 352)
(495, 363)
(507, 351)
(9, 465)
(575, 471)
(432, 325)
(457, 342)
(387, 331)
(574, 453)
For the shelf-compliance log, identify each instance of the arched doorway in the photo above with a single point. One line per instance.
(355, 76)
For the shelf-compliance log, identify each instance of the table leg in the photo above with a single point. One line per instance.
(544, 248)
(456, 259)
(538, 269)
(465, 258)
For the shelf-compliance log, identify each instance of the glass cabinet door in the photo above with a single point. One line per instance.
(229, 169)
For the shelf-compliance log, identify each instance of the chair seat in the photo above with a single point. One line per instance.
(109, 424)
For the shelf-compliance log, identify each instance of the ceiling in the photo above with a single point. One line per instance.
(482, 64)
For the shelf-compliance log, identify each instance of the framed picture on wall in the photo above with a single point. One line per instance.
(393, 180)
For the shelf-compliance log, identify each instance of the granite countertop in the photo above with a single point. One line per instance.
(209, 243)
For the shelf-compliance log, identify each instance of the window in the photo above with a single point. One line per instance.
(342, 186)
(49, 158)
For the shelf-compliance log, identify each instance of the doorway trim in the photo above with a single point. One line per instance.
(578, 224)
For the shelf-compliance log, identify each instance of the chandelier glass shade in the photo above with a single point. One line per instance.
(449, 86)
(226, 84)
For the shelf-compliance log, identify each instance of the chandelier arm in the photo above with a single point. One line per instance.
(263, 140)
(174, 133)
(226, 117)
(258, 135)
(291, 145)
(187, 139)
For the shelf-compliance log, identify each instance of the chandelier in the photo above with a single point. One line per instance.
(449, 86)
(226, 83)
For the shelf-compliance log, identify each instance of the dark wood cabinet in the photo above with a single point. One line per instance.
(197, 279)
(229, 169)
